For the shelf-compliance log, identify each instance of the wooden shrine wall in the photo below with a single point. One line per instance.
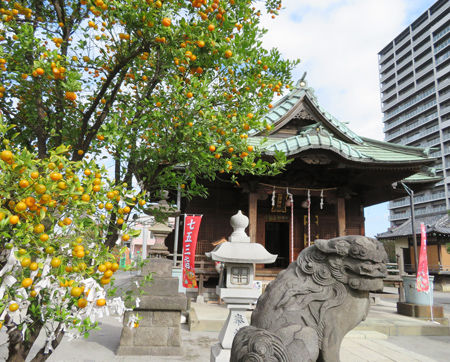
(224, 202)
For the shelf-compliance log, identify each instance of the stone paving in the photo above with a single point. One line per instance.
(358, 346)
(404, 340)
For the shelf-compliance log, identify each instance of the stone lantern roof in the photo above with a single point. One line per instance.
(239, 249)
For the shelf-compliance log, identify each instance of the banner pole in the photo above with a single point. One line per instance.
(177, 227)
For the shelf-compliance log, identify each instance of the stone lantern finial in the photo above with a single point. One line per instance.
(239, 223)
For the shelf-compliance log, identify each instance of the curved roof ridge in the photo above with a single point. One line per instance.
(299, 143)
(390, 145)
(288, 101)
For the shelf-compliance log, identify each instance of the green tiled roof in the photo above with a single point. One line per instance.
(421, 177)
(323, 140)
(290, 100)
(332, 135)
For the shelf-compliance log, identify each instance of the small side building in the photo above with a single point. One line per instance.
(438, 243)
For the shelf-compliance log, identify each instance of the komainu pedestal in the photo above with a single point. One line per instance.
(306, 311)
(159, 311)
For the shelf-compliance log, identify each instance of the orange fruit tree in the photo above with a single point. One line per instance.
(150, 91)
(50, 261)
(120, 80)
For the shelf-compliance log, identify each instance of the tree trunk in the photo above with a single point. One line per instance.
(41, 356)
(18, 349)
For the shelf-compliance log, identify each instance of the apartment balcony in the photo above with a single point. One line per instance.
(441, 58)
(388, 95)
(433, 143)
(422, 37)
(406, 95)
(403, 41)
(441, 72)
(436, 154)
(401, 63)
(399, 216)
(404, 51)
(426, 58)
(442, 46)
(445, 110)
(406, 84)
(422, 121)
(439, 35)
(419, 28)
(399, 203)
(441, 10)
(387, 85)
(406, 117)
(443, 98)
(401, 107)
(424, 71)
(387, 75)
(392, 136)
(422, 134)
(417, 200)
(444, 84)
(382, 67)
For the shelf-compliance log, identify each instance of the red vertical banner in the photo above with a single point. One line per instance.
(190, 234)
(422, 280)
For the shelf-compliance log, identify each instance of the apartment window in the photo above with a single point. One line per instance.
(423, 54)
(405, 78)
(402, 36)
(444, 91)
(406, 90)
(403, 47)
(420, 21)
(387, 60)
(442, 57)
(424, 78)
(443, 78)
(437, 6)
(403, 58)
(438, 34)
(442, 44)
(386, 49)
(387, 71)
(438, 19)
(388, 80)
(420, 45)
(420, 33)
(411, 101)
(424, 65)
(404, 68)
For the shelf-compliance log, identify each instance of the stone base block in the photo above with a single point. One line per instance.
(149, 351)
(218, 354)
(155, 302)
(157, 330)
(158, 266)
(420, 311)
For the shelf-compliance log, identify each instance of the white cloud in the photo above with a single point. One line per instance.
(338, 42)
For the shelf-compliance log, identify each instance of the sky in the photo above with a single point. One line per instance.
(337, 42)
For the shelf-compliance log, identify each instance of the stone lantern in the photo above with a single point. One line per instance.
(239, 256)
(161, 229)
(161, 304)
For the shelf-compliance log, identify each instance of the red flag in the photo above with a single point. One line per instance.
(422, 280)
(190, 234)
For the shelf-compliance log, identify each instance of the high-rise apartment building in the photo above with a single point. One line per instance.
(415, 97)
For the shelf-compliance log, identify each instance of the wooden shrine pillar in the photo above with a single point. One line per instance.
(341, 216)
(253, 215)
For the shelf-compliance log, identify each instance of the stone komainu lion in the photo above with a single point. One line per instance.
(306, 311)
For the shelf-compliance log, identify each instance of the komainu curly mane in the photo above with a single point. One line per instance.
(306, 311)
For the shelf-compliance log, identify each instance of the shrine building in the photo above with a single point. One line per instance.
(333, 175)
